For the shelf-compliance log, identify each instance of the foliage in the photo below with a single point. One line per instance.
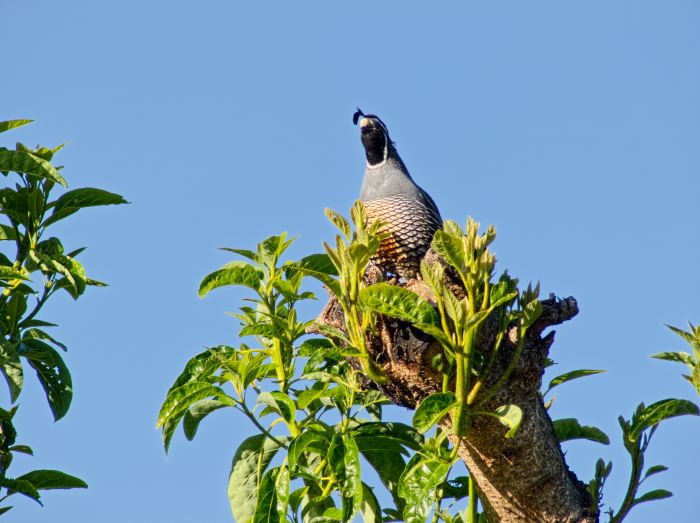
(289, 389)
(40, 269)
(691, 337)
(636, 436)
(318, 426)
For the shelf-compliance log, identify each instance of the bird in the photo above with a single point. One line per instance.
(408, 214)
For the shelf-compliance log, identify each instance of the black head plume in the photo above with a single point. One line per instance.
(356, 116)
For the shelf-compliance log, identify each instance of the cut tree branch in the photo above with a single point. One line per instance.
(521, 479)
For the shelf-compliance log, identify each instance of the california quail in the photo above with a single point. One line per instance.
(390, 195)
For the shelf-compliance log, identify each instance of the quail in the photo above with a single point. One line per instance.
(408, 214)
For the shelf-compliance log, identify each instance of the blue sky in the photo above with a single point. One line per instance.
(573, 127)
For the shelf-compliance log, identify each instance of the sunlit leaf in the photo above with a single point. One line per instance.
(249, 464)
(233, 273)
(26, 163)
(400, 303)
(13, 124)
(418, 484)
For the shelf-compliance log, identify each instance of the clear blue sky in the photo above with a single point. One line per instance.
(573, 127)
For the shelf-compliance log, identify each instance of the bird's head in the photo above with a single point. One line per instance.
(375, 137)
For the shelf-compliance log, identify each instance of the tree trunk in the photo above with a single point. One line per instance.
(521, 479)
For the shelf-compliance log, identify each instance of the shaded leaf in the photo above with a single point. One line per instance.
(52, 372)
(659, 411)
(432, 409)
(196, 413)
(72, 201)
(308, 440)
(508, 415)
(568, 376)
(20, 486)
(370, 509)
(52, 479)
(7, 232)
(655, 470)
(279, 402)
(11, 368)
(569, 429)
(319, 262)
(652, 495)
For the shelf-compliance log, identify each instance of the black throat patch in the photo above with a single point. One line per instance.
(376, 144)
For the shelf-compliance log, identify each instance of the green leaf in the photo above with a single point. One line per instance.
(279, 402)
(233, 273)
(13, 124)
(24, 449)
(370, 509)
(38, 334)
(196, 413)
(449, 246)
(328, 280)
(418, 485)
(11, 368)
(318, 263)
(265, 330)
(26, 163)
(400, 303)
(72, 201)
(508, 415)
(432, 409)
(270, 249)
(401, 432)
(204, 365)
(243, 252)
(52, 372)
(52, 479)
(652, 495)
(182, 398)
(5, 509)
(307, 441)
(351, 485)
(7, 233)
(8, 273)
(680, 357)
(249, 464)
(569, 429)
(655, 470)
(568, 376)
(339, 221)
(20, 486)
(266, 505)
(659, 411)
(385, 455)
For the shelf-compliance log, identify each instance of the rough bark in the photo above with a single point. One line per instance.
(521, 479)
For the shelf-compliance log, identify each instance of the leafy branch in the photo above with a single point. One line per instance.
(33, 268)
